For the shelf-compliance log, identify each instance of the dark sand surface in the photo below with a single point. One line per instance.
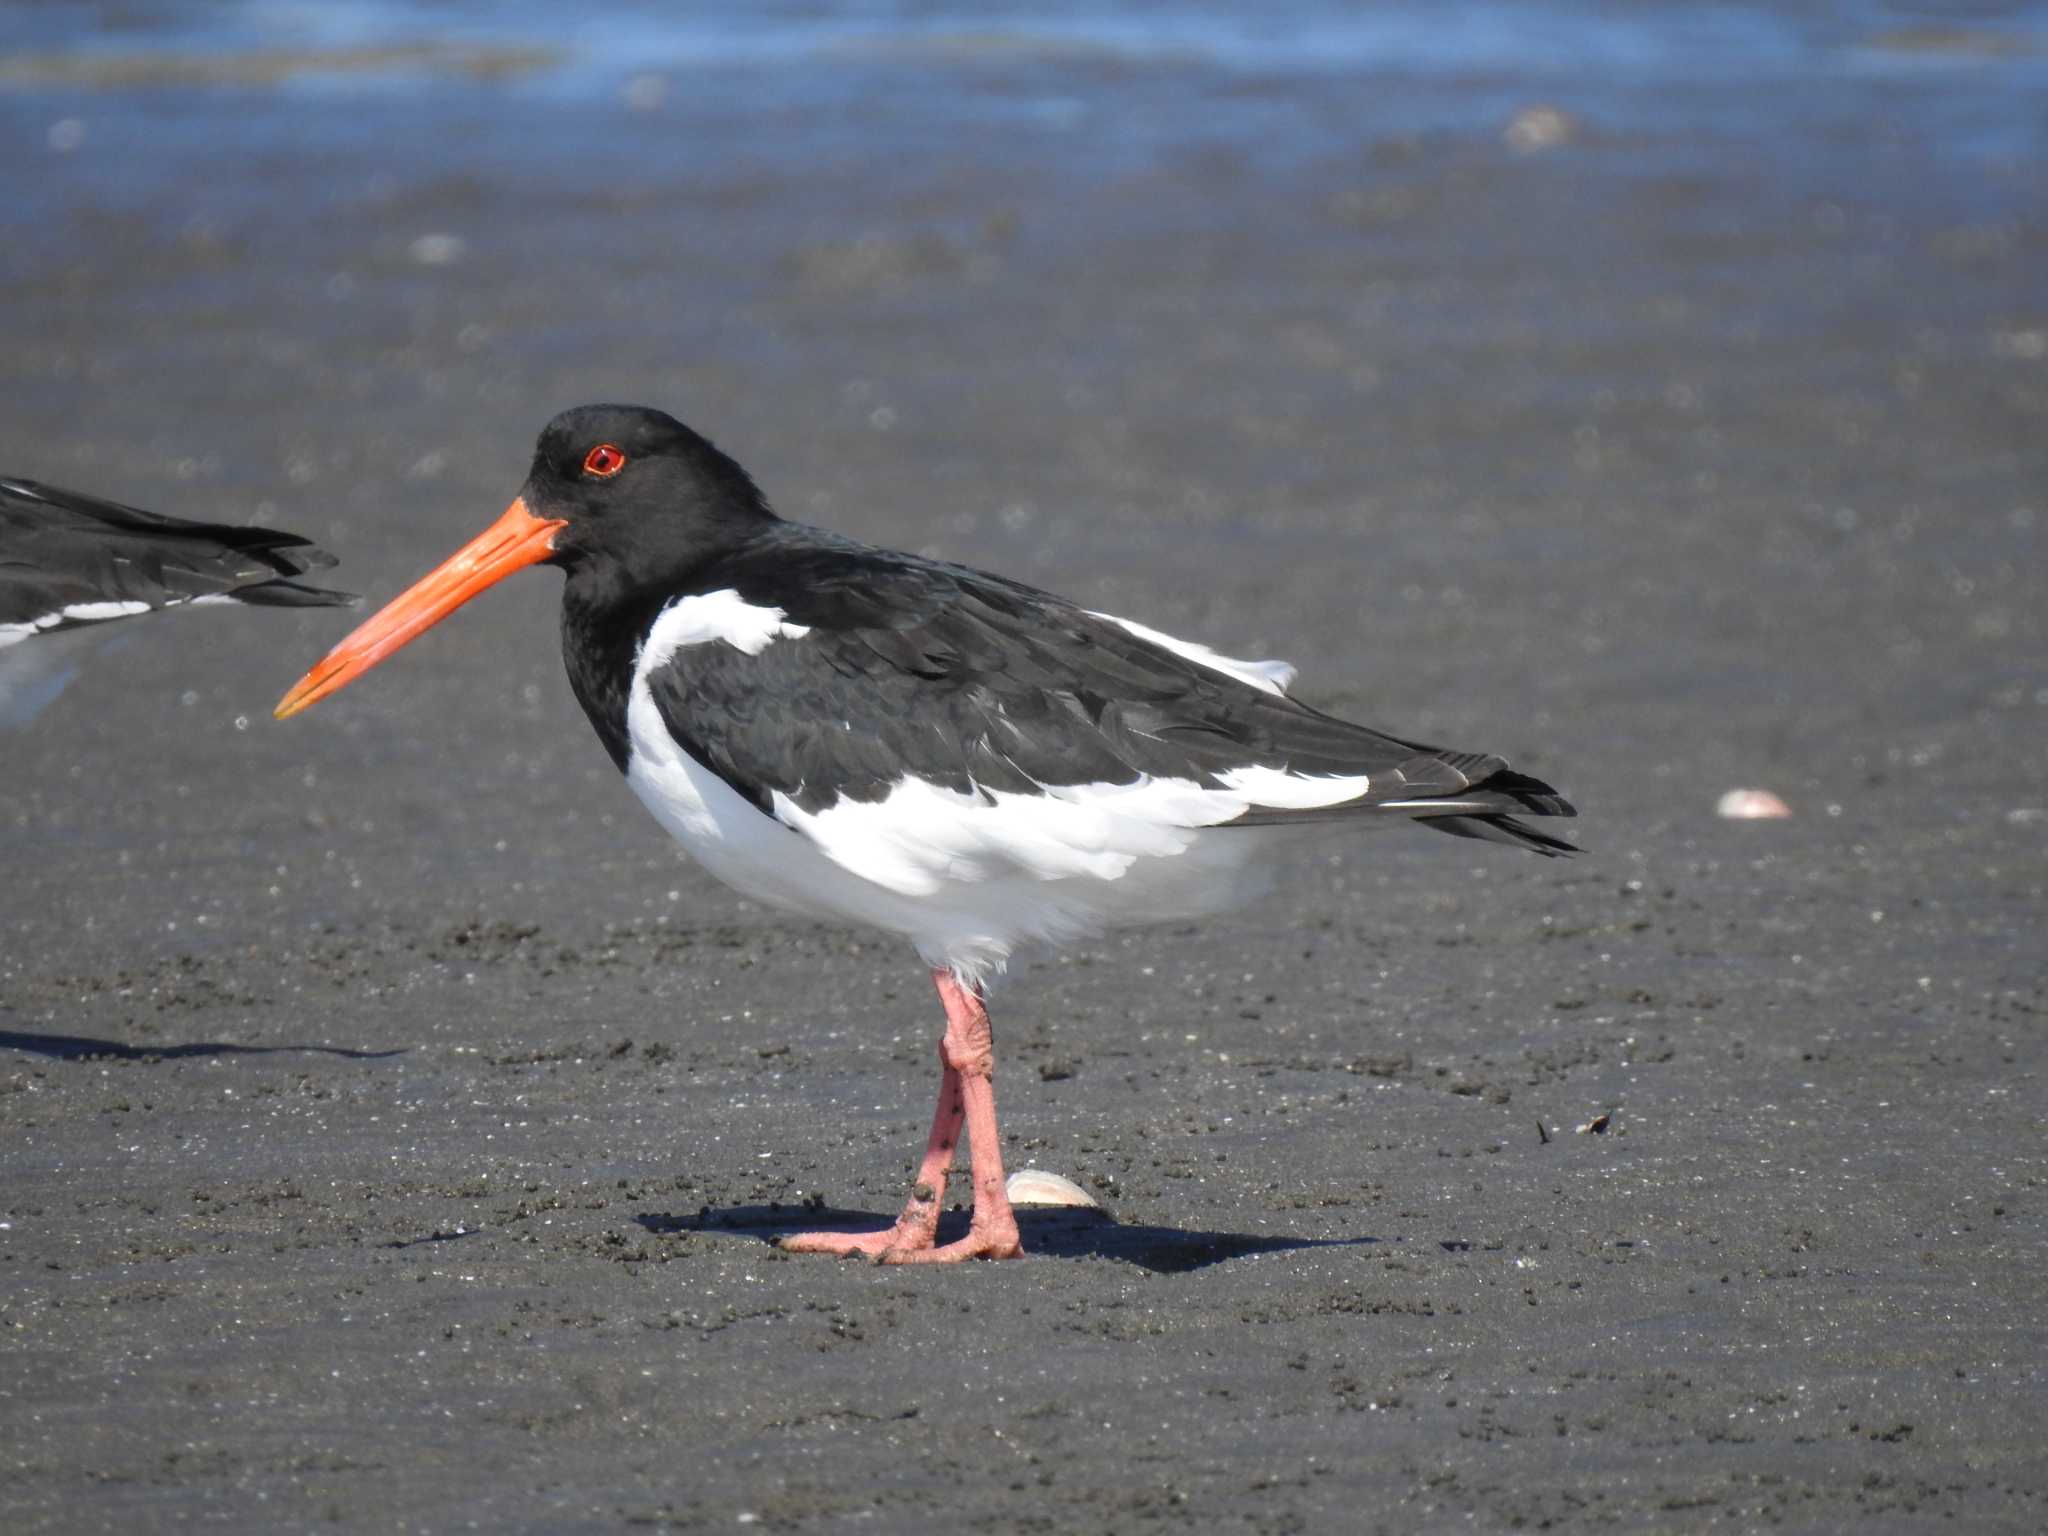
(391, 1121)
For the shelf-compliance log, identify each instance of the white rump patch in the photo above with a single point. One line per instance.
(76, 613)
(92, 613)
(1270, 676)
(1278, 790)
(722, 615)
(95, 613)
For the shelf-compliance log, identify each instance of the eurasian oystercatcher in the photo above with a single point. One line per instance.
(872, 737)
(69, 560)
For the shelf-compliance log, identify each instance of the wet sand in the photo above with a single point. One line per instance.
(392, 1121)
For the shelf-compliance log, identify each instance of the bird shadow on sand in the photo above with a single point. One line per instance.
(1048, 1233)
(85, 1048)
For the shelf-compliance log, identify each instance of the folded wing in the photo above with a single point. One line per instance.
(874, 669)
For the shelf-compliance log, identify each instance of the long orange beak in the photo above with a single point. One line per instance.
(513, 542)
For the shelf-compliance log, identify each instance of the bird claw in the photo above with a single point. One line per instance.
(976, 1245)
(895, 1245)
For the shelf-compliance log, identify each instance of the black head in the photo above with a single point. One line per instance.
(634, 486)
(627, 499)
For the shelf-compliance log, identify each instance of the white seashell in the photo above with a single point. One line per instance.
(437, 250)
(1034, 1186)
(1751, 805)
(1538, 128)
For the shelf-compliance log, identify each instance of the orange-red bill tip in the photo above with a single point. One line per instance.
(513, 542)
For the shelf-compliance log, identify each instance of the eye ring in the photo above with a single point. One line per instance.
(604, 461)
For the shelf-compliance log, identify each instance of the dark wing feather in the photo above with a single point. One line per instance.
(61, 549)
(974, 682)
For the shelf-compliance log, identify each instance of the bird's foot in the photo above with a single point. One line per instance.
(868, 1245)
(909, 1245)
(991, 1243)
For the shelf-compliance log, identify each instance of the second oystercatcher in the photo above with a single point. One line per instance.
(69, 561)
(872, 737)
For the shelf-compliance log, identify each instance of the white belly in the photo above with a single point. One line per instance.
(967, 878)
(979, 885)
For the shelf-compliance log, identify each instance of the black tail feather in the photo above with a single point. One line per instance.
(65, 547)
(1504, 829)
(1530, 793)
(1510, 791)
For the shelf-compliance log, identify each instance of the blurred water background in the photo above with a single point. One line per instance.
(1095, 89)
(238, 120)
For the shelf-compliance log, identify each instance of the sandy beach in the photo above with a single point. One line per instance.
(392, 1122)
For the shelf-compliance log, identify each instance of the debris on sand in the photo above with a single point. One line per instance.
(1751, 805)
(436, 250)
(1537, 128)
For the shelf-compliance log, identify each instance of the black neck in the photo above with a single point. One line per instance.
(609, 604)
(602, 628)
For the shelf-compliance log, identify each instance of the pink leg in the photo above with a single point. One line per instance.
(918, 1226)
(966, 1092)
(970, 1050)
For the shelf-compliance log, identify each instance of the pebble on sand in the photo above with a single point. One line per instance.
(644, 93)
(1751, 805)
(437, 250)
(1539, 128)
(1034, 1186)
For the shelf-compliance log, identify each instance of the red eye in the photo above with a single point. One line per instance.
(604, 461)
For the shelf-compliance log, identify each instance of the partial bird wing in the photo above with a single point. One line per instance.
(68, 559)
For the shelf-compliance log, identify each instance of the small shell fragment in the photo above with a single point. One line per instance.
(1538, 128)
(1034, 1186)
(1751, 805)
(438, 250)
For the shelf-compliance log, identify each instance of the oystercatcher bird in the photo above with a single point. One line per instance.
(69, 561)
(872, 737)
